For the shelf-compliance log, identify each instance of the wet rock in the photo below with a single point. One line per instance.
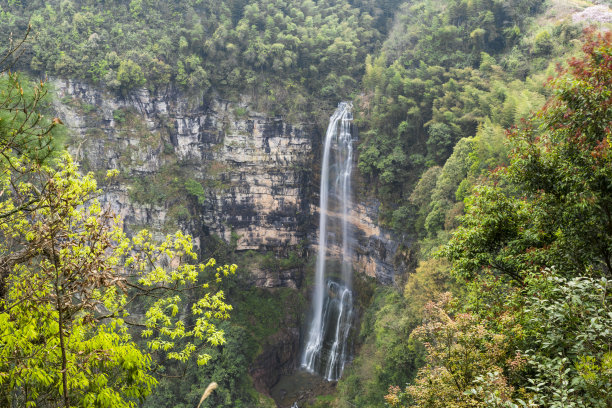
(277, 358)
(377, 252)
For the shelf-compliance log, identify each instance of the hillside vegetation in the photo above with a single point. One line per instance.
(285, 54)
(503, 268)
(530, 325)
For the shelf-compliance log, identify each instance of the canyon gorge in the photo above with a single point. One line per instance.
(259, 178)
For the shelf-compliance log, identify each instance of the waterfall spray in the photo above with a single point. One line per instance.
(326, 348)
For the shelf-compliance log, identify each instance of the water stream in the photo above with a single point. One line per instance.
(326, 349)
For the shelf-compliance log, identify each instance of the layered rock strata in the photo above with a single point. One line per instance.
(255, 170)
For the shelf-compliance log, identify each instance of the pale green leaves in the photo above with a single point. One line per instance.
(71, 278)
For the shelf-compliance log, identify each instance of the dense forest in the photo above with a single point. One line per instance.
(282, 53)
(484, 134)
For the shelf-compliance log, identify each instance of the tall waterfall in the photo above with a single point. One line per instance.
(326, 349)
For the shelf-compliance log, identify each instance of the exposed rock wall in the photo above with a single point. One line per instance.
(256, 170)
(259, 173)
(377, 252)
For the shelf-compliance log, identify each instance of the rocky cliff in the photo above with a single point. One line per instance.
(378, 253)
(254, 171)
(257, 173)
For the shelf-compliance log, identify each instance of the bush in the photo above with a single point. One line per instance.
(194, 188)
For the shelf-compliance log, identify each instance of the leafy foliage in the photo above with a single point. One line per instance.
(546, 347)
(69, 277)
(556, 212)
(532, 324)
(24, 129)
(66, 268)
(194, 188)
(259, 318)
(448, 71)
(461, 352)
(280, 52)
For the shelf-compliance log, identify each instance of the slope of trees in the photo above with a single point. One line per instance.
(533, 326)
(445, 70)
(282, 53)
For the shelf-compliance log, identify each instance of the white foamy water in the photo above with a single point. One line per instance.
(326, 349)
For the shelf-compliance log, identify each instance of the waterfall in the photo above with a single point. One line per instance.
(326, 349)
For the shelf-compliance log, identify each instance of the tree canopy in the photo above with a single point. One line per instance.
(551, 205)
(532, 326)
(281, 53)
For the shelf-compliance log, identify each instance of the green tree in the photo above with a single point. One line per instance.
(552, 206)
(67, 267)
(465, 362)
(72, 282)
(130, 75)
(533, 325)
(568, 327)
(195, 188)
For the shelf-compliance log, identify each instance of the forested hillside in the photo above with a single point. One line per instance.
(447, 71)
(531, 324)
(282, 53)
(484, 139)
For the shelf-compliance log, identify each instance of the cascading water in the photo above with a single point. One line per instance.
(326, 348)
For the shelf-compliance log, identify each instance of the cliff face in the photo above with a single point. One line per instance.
(377, 252)
(257, 173)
